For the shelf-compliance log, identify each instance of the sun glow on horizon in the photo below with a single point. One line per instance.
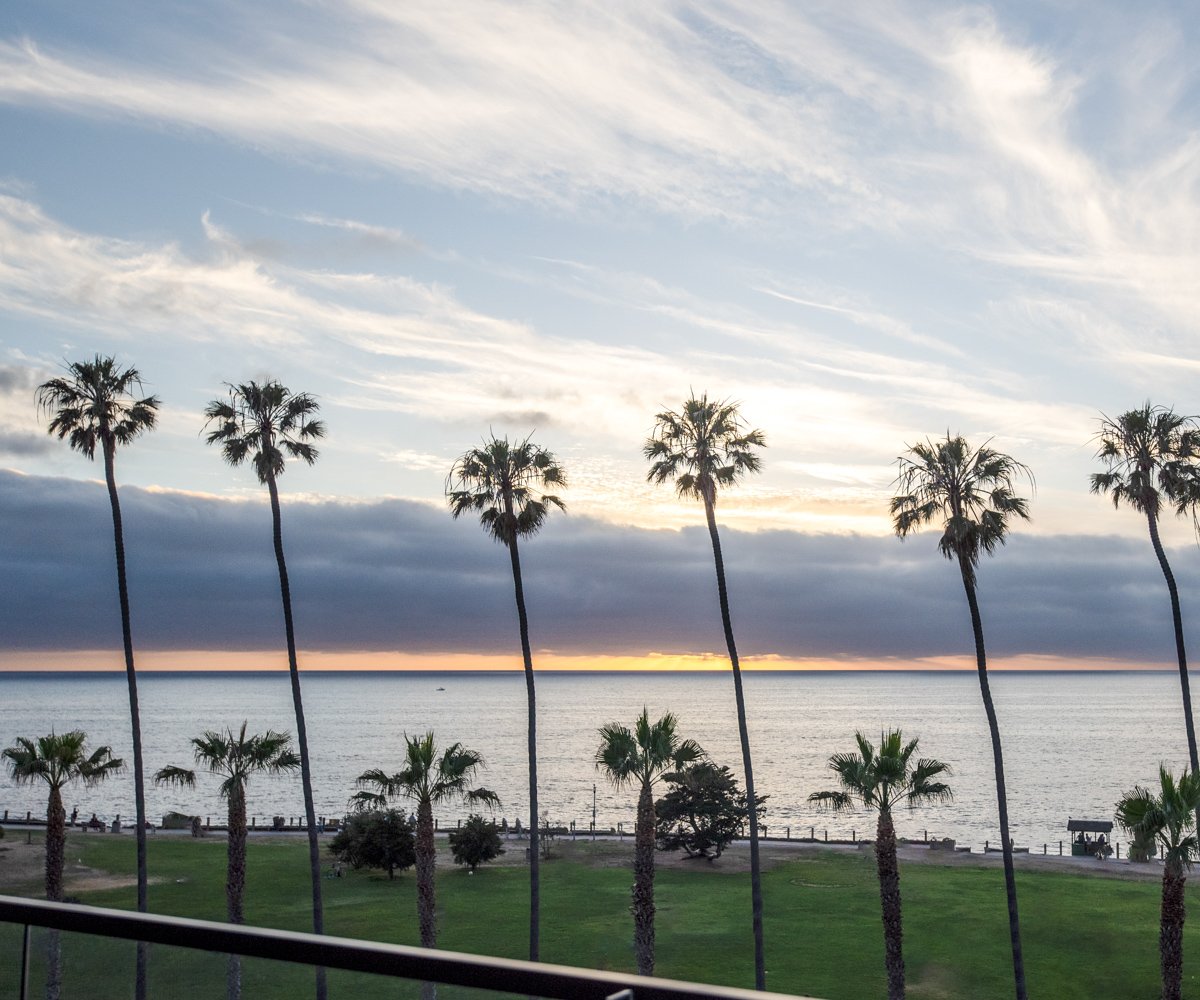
(167, 661)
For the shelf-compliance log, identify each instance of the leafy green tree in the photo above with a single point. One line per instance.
(504, 483)
(57, 761)
(268, 423)
(1152, 455)
(972, 491)
(640, 757)
(476, 842)
(427, 778)
(376, 838)
(703, 811)
(97, 404)
(882, 780)
(1170, 819)
(704, 448)
(235, 758)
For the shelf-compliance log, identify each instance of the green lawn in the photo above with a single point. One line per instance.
(1084, 937)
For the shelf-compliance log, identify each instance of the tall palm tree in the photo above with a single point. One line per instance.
(703, 448)
(972, 491)
(505, 483)
(642, 756)
(97, 404)
(427, 778)
(58, 760)
(1151, 455)
(1168, 818)
(267, 423)
(882, 780)
(235, 758)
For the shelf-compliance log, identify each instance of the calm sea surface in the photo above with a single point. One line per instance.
(1072, 741)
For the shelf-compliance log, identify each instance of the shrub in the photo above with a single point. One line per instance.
(476, 842)
(381, 839)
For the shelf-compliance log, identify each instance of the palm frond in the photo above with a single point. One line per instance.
(264, 423)
(703, 448)
(95, 404)
(505, 483)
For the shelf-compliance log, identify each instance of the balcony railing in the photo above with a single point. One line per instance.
(558, 982)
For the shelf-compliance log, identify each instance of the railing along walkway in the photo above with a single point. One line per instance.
(559, 982)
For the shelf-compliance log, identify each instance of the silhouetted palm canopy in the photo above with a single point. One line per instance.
(642, 754)
(1151, 454)
(426, 777)
(58, 760)
(885, 778)
(268, 423)
(1168, 818)
(881, 780)
(263, 422)
(970, 490)
(98, 403)
(505, 484)
(235, 758)
(704, 447)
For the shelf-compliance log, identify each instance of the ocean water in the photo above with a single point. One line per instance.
(1073, 742)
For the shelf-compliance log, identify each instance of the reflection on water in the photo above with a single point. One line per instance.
(1072, 741)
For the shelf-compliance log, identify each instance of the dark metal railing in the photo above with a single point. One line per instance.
(559, 982)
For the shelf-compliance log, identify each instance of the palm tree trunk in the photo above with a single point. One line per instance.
(1180, 651)
(1170, 936)
(756, 902)
(426, 901)
(531, 699)
(1010, 880)
(889, 897)
(426, 865)
(139, 784)
(56, 837)
(235, 883)
(310, 813)
(643, 883)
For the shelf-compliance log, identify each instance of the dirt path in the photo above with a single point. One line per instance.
(22, 865)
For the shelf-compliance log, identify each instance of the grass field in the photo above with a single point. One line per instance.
(1084, 937)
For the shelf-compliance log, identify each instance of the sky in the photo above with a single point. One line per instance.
(866, 223)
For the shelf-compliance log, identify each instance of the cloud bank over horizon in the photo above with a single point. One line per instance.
(400, 575)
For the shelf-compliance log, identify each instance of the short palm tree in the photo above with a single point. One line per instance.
(641, 756)
(1170, 819)
(972, 491)
(704, 448)
(235, 757)
(268, 423)
(427, 778)
(97, 404)
(882, 780)
(58, 760)
(505, 483)
(1152, 456)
